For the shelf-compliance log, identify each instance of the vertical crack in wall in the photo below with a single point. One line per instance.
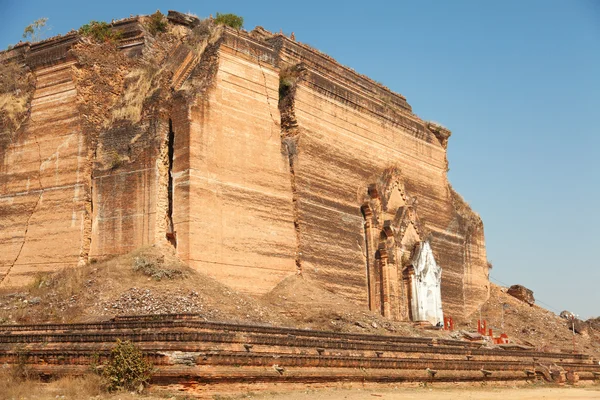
(39, 199)
(164, 223)
(171, 152)
(88, 211)
(265, 85)
(290, 136)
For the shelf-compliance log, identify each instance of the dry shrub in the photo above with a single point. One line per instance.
(65, 283)
(155, 268)
(16, 91)
(68, 387)
(138, 87)
(79, 387)
(21, 371)
(288, 77)
(203, 29)
(12, 388)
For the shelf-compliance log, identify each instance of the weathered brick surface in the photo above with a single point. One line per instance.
(211, 352)
(243, 210)
(42, 195)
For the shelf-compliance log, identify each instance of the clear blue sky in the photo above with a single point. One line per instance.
(517, 82)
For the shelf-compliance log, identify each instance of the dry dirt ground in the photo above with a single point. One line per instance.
(532, 325)
(88, 388)
(438, 393)
(152, 280)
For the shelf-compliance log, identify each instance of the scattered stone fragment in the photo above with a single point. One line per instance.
(522, 293)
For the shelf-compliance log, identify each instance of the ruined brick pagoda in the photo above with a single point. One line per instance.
(253, 155)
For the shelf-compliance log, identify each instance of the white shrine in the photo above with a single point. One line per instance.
(404, 279)
(426, 299)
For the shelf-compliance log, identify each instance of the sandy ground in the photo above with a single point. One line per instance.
(88, 387)
(470, 393)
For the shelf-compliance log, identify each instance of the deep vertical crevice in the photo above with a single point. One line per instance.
(291, 146)
(367, 260)
(88, 212)
(171, 150)
(290, 138)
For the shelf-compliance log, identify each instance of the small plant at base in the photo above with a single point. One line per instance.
(157, 23)
(21, 371)
(99, 31)
(127, 369)
(232, 20)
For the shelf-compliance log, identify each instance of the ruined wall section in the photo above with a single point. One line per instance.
(241, 227)
(351, 132)
(476, 277)
(42, 185)
(80, 178)
(253, 200)
(128, 133)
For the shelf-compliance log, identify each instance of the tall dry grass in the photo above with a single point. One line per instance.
(69, 387)
(139, 85)
(16, 90)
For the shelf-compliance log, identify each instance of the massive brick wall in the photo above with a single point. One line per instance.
(245, 210)
(42, 185)
(237, 222)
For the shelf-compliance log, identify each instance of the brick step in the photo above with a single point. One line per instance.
(185, 347)
(248, 368)
(239, 358)
(204, 341)
(227, 339)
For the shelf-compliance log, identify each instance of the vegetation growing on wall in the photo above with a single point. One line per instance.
(99, 31)
(157, 22)
(16, 91)
(139, 84)
(232, 20)
(203, 29)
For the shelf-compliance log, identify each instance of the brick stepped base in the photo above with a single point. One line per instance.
(186, 349)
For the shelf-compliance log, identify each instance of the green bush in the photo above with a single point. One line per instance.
(232, 20)
(99, 31)
(157, 23)
(127, 369)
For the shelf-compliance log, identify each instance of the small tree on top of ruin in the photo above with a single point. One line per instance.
(35, 31)
(157, 22)
(232, 20)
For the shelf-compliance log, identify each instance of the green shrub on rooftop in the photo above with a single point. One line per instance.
(99, 31)
(157, 23)
(232, 20)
